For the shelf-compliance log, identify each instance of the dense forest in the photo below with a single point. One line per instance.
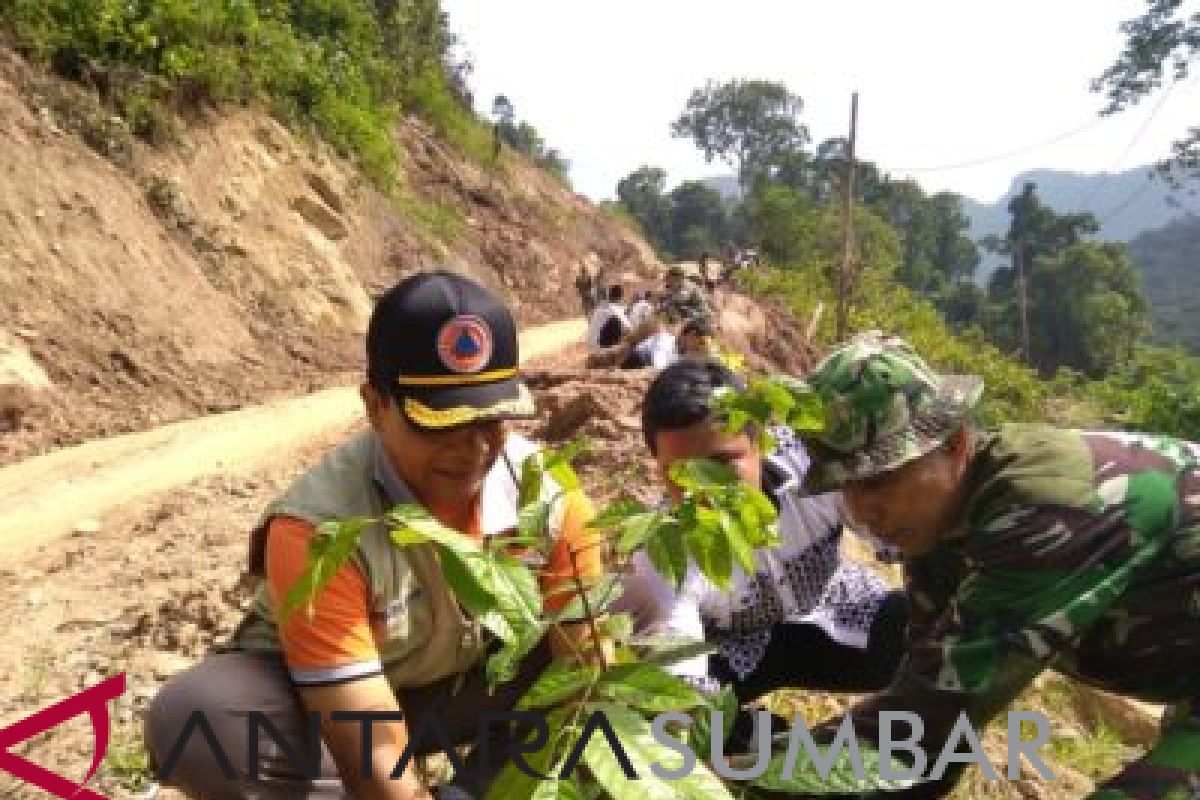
(1167, 259)
(344, 70)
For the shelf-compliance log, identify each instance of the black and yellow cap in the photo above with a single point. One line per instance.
(446, 349)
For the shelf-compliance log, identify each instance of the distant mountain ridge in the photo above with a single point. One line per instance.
(1125, 203)
(724, 185)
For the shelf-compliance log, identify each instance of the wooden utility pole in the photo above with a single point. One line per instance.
(846, 269)
(1022, 297)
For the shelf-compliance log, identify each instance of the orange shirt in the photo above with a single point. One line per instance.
(336, 642)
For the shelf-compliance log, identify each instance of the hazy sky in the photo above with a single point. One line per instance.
(940, 82)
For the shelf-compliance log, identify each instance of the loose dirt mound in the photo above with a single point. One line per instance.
(765, 333)
(603, 406)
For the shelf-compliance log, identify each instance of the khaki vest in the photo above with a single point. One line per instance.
(420, 629)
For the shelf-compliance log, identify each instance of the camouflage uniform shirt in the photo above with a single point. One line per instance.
(1078, 551)
(687, 302)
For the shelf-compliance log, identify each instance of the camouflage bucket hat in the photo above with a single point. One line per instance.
(883, 407)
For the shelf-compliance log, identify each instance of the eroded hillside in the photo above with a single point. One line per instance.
(140, 285)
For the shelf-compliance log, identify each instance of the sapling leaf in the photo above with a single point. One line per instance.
(514, 784)
(602, 591)
(618, 627)
(332, 546)
(804, 777)
(637, 529)
(668, 552)
(701, 737)
(709, 546)
(616, 513)
(557, 683)
(557, 463)
(531, 481)
(648, 688)
(558, 789)
(743, 551)
(643, 750)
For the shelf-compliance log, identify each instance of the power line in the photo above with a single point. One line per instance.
(974, 162)
(1120, 207)
(1145, 124)
(1082, 204)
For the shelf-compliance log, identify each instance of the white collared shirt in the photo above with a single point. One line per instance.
(600, 317)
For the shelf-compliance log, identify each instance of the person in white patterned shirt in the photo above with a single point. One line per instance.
(806, 618)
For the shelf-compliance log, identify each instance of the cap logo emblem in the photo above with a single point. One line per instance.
(464, 344)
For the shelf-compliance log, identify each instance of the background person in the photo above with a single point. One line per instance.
(608, 323)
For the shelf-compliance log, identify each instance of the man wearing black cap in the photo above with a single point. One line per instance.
(386, 635)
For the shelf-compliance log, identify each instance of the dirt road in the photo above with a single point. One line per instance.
(73, 489)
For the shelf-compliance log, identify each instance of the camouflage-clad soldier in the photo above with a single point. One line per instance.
(1025, 547)
(683, 300)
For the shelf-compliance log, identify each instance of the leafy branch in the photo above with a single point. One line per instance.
(774, 400)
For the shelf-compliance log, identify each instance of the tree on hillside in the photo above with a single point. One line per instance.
(964, 303)
(829, 170)
(1083, 308)
(504, 114)
(699, 220)
(807, 237)
(745, 123)
(1035, 230)
(502, 110)
(937, 251)
(792, 169)
(1086, 311)
(775, 220)
(955, 254)
(558, 165)
(904, 205)
(642, 194)
(1164, 39)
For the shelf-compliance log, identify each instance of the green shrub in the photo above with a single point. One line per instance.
(1013, 393)
(344, 65)
(148, 119)
(1157, 391)
(621, 214)
(428, 95)
(127, 761)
